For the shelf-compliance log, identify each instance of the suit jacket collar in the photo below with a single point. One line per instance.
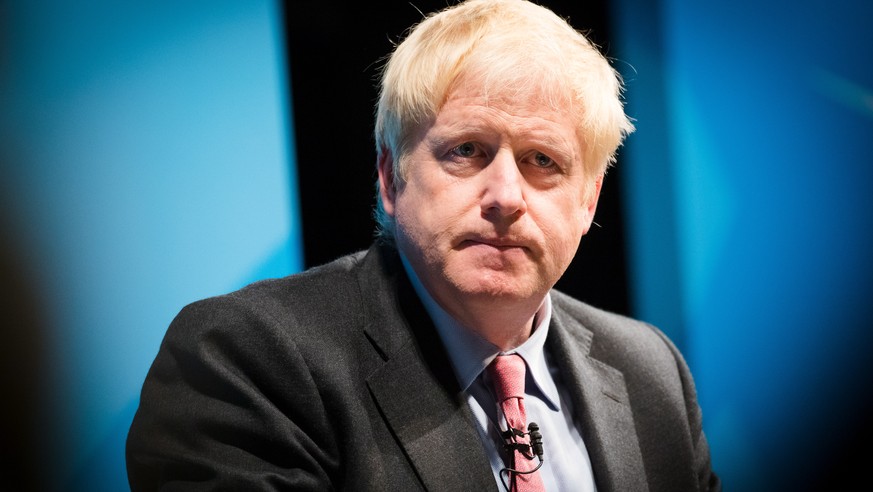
(416, 389)
(602, 407)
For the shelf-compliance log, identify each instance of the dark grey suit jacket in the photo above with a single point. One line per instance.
(335, 379)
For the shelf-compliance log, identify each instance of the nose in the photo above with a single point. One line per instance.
(502, 194)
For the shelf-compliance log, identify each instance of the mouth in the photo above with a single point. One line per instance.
(500, 244)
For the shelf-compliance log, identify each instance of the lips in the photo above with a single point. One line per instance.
(499, 243)
(501, 247)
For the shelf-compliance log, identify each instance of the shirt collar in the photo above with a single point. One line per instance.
(470, 354)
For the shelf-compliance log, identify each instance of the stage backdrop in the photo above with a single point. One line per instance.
(146, 164)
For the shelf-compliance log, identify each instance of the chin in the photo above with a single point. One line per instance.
(499, 286)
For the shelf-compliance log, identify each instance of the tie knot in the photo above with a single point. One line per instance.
(507, 373)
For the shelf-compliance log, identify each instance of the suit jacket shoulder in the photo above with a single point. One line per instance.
(325, 380)
(635, 400)
(619, 339)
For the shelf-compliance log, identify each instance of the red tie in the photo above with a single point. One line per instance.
(507, 374)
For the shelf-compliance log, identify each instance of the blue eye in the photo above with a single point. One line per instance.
(542, 160)
(466, 149)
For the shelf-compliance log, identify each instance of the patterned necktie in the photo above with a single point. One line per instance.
(507, 374)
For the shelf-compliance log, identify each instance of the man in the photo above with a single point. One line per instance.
(441, 359)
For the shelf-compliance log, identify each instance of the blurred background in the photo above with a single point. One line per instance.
(155, 153)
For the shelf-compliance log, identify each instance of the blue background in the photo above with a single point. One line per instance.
(749, 185)
(148, 162)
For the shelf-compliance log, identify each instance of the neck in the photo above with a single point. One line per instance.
(505, 325)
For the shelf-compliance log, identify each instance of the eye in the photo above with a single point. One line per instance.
(542, 160)
(466, 149)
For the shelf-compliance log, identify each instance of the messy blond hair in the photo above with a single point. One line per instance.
(511, 48)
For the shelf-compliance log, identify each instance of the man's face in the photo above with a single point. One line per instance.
(495, 201)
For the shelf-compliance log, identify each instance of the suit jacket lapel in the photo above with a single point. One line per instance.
(432, 426)
(601, 405)
(416, 390)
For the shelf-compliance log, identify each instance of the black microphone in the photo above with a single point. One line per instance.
(536, 445)
(536, 439)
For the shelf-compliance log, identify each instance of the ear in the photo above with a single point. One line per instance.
(591, 205)
(387, 185)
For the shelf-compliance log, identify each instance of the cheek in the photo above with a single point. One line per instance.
(408, 214)
(563, 227)
(436, 197)
(562, 242)
(420, 219)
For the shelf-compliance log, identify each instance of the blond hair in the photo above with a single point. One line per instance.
(512, 48)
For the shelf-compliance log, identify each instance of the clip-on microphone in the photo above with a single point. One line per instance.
(528, 450)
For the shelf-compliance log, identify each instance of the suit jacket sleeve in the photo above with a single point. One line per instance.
(215, 411)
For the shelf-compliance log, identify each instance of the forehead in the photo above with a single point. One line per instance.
(508, 110)
(521, 90)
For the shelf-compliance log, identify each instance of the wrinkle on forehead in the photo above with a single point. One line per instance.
(521, 91)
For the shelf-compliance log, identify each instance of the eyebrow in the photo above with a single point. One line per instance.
(546, 141)
(454, 132)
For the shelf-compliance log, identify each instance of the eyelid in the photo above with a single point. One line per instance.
(555, 162)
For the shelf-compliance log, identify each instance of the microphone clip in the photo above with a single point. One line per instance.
(529, 449)
(512, 433)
